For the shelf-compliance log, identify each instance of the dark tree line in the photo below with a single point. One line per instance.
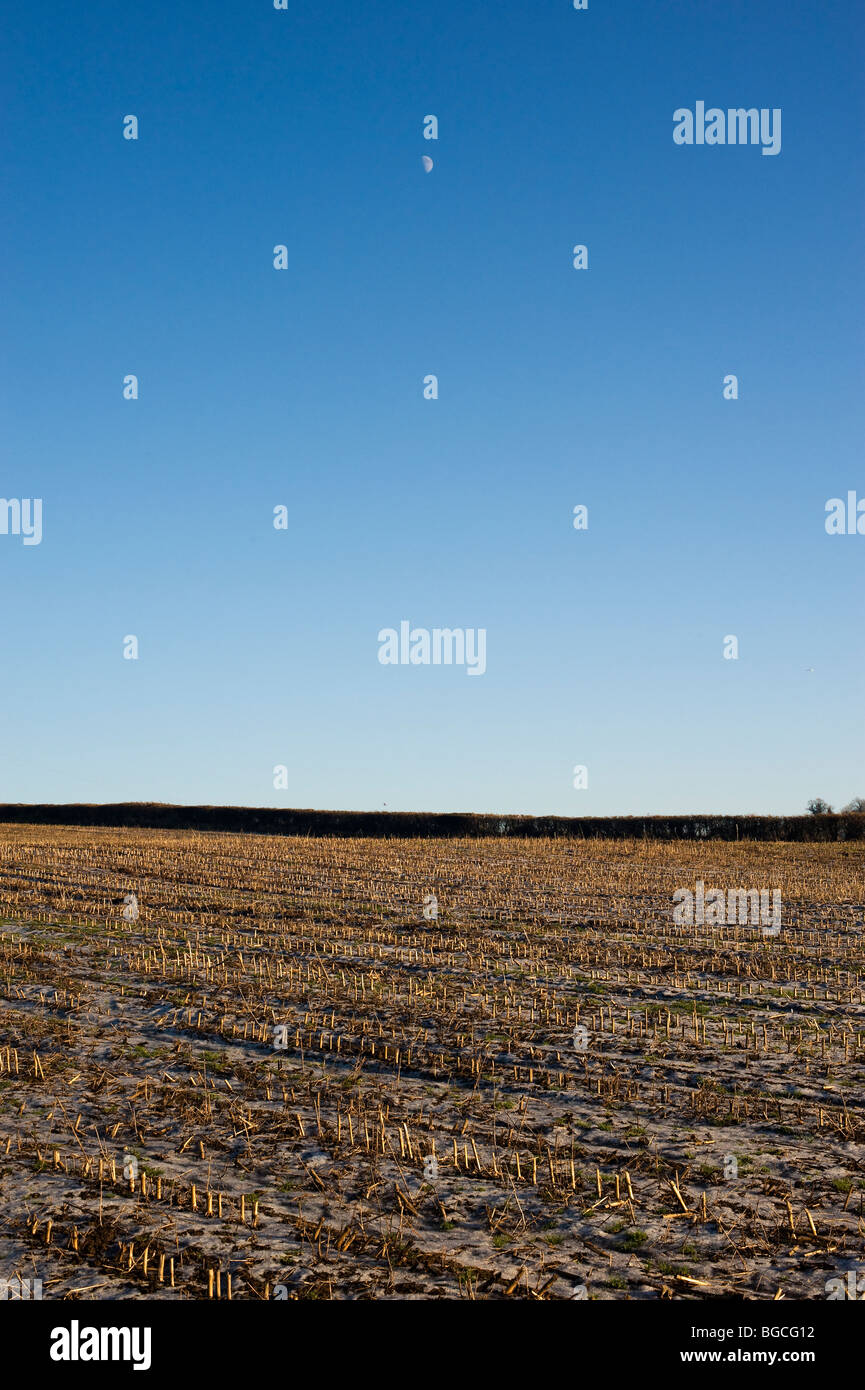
(268, 820)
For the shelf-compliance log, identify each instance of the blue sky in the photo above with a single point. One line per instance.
(304, 387)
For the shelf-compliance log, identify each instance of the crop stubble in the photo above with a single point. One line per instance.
(304, 1172)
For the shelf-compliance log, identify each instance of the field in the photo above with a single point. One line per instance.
(283, 1080)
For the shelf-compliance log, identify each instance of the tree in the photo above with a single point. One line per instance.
(819, 807)
(857, 804)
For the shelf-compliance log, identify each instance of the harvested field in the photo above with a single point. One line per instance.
(549, 1090)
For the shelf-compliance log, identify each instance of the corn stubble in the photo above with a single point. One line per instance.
(155, 1144)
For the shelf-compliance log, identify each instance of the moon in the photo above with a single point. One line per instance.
(426, 162)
